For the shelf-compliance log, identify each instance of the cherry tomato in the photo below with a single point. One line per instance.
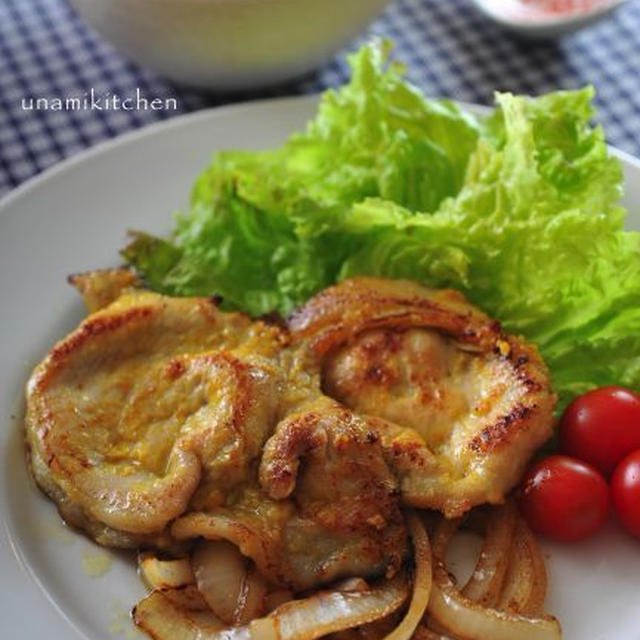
(564, 498)
(602, 427)
(625, 492)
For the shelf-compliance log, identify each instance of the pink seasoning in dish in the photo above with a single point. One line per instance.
(537, 7)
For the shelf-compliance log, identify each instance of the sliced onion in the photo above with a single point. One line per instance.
(251, 603)
(525, 585)
(220, 571)
(486, 582)
(459, 615)
(330, 611)
(206, 620)
(250, 541)
(323, 613)
(421, 580)
(377, 630)
(163, 620)
(464, 617)
(424, 633)
(165, 574)
(352, 634)
(187, 597)
(351, 584)
(535, 603)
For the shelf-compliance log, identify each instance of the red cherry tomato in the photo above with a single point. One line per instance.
(564, 498)
(602, 427)
(625, 492)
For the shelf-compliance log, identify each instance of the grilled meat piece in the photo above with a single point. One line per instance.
(146, 406)
(160, 420)
(468, 402)
(329, 506)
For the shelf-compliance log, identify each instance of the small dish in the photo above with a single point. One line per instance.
(539, 19)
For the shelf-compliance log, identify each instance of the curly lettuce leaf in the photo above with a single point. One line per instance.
(519, 211)
(260, 227)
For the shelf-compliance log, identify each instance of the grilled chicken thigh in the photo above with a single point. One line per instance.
(467, 402)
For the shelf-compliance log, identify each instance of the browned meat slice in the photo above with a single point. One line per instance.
(332, 507)
(439, 373)
(146, 407)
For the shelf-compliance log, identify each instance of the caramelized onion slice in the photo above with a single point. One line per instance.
(424, 633)
(165, 574)
(330, 611)
(188, 598)
(538, 593)
(525, 585)
(376, 630)
(421, 580)
(323, 613)
(486, 582)
(220, 571)
(252, 600)
(206, 620)
(163, 620)
(351, 584)
(458, 615)
(466, 618)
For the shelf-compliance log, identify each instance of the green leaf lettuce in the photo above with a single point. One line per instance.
(519, 211)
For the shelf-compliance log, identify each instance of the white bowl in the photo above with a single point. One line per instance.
(229, 44)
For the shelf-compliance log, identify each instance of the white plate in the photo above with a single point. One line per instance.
(74, 218)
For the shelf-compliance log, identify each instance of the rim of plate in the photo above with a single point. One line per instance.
(132, 135)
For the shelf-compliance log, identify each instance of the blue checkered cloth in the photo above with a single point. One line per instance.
(451, 50)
